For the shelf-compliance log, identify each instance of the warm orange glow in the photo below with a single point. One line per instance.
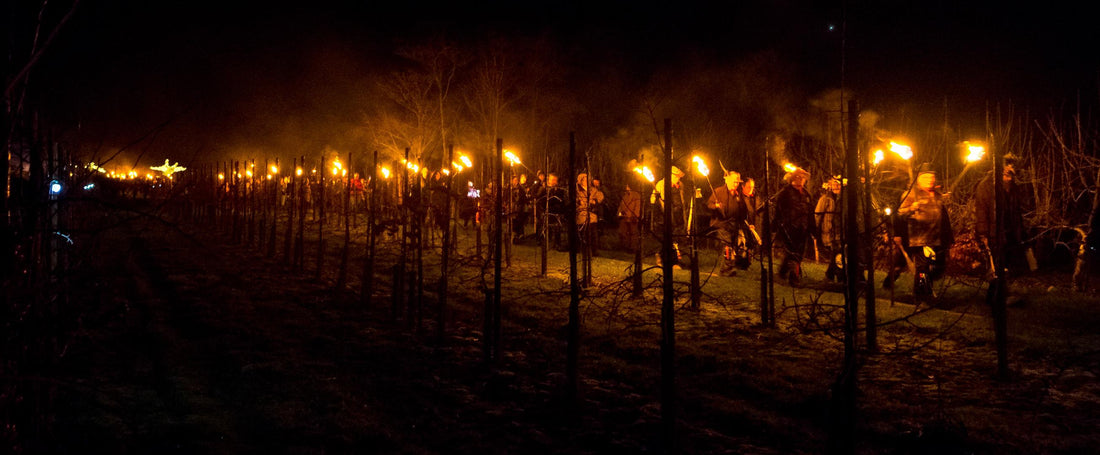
(446, 171)
(701, 165)
(888, 211)
(248, 173)
(904, 151)
(511, 157)
(385, 172)
(221, 176)
(269, 176)
(789, 167)
(466, 160)
(168, 169)
(974, 153)
(274, 169)
(878, 157)
(298, 172)
(645, 172)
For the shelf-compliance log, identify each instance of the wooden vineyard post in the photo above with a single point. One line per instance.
(441, 310)
(668, 323)
(342, 274)
(573, 340)
(367, 292)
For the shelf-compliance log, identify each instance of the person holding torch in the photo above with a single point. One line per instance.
(728, 215)
(929, 227)
(794, 221)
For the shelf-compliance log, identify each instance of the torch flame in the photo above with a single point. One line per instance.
(274, 169)
(298, 172)
(466, 160)
(789, 167)
(904, 151)
(879, 156)
(511, 157)
(976, 152)
(385, 172)
(888, 211)
(701, 165)
(644, 171)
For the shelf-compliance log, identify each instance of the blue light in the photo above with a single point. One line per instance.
(89, 187)
(55, 187)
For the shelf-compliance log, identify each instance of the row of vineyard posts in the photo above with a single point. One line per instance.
(273, 214)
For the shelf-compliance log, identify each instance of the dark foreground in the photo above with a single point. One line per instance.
(188, 345)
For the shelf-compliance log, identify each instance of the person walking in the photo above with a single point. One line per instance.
(728, 215)
(929, 229)
(827, 219)
(794, 210)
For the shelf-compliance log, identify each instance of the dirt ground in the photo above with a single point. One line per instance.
(189, 344)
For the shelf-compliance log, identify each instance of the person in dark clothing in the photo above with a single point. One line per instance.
(749, 238)
(728, 216)
(985, 216)
(794, 224)
(680, 198)
(929, 229)
(630, 217)
(555, 197)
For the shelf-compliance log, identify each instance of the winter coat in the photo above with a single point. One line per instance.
(794, 211)
(728, 209)
(630, 206)
(588, 199)
(926, 219)
(828, 220)
(985, 215)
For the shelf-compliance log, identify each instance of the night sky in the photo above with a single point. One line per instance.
(211, 78)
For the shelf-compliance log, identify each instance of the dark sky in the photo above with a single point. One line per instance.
(230, 72)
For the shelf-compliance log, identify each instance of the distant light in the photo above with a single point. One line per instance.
(466, 160)
(888, 211)
(832, 27)
(89, 187)
(790, 167)
(55, 187)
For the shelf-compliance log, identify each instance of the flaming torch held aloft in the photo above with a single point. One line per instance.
(904, 151)
(975, 153)
(701, 165)
(512, 158)
(646, 173)
(878, 157)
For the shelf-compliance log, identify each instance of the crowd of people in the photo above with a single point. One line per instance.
(728, 217)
